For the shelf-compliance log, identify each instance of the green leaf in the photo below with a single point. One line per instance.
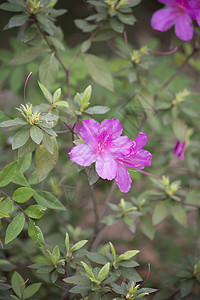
(36, 134)
(14, 122)
(186, 287)
(6, 206)
(35, 234)
(160, 212)
(14, 228)
(48, 143)
(22, 194)
(84, 26)
(94, 296)
(56, 95)
(67, 242)
(48, 70)
(126, 18)
(17, 280)
(99, 71)
(62, 104)
(27, 56)
(85, 46)
(103, 272)
(110, 219)
(88, 270)
(76, 279)
(20, 179)
(46, 199)
(4, 215)
(31, 290)
(28, 147)
(35, 211)
(78, 245)
(97, 110)
(179, 129)
(44, 161)
(11, 7)
(56, 254)
(130, 222)
(113, 250)
(179, 214)
(127, 255)
(45, 92)
(54, 276)
(17, 20)
(7, 174)
(5, 265)
(147, 227)
(24, 163)
(20, 138)
(116, 25)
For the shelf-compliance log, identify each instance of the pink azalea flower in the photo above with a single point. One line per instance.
(110, 151)
(179, 149)
(178, 13)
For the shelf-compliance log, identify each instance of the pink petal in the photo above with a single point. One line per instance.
(83, 155)
(137, 160)
(111, 127)
(106, 167)
(184, 27)
(163, 19)
(89, 131)
(121, 146)
(123, 179)
(140, 141)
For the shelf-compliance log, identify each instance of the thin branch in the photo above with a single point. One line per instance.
(179, 69)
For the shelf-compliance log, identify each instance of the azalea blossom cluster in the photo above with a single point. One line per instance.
(111, 152)
(179, 13)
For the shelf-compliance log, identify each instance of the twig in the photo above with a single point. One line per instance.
(179, 69)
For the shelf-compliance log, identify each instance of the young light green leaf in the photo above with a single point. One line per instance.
(31, 290)
(45, 92)
(56, 253)
(5, 207)
(67, 242)
(22, 194)
(112, 250)
(103, 272)
(14, 228)
(35, 234)
(78, 245)
(4, 214)
(20, 138)
(7, 174)
(44, 161)
(62, 104)
(127, 255)
(87, 95)
(35, 211)
(36, 134)
(17, 282)
(88, 270)
(99, 71)
(56, 95)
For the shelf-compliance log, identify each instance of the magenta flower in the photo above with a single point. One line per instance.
(179, 149)
(178, 13)
(111, 152)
